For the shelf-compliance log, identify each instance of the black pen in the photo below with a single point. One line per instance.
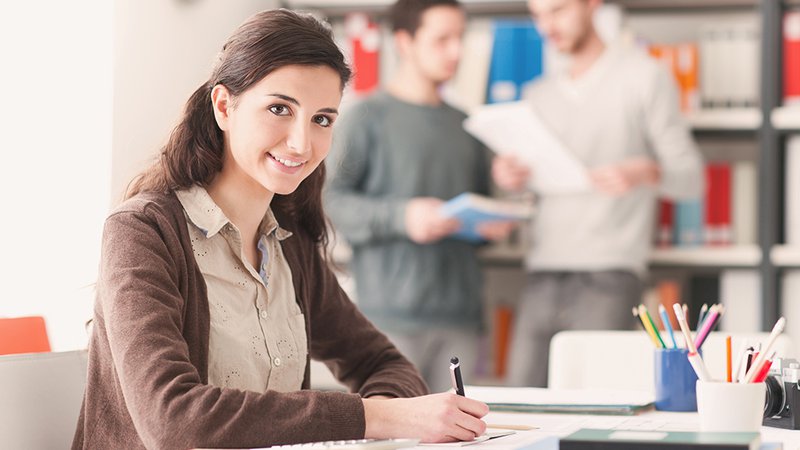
(455, 376)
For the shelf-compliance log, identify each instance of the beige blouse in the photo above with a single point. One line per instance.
(257, 339)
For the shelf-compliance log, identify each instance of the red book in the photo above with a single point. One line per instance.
(718, 228)
(791, 57)
(666, 223)
(365, 39)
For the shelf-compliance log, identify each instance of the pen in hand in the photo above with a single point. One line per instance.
(455, 376)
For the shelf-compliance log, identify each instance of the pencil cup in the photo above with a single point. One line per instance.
(675, 380)
(724, 407)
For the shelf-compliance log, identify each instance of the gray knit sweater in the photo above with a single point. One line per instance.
(385, 152)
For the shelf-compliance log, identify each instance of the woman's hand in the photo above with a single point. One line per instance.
(445, 417)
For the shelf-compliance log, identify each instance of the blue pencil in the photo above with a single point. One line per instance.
(665, 319)
(702, 316)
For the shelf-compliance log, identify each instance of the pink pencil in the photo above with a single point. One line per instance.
(708, 324)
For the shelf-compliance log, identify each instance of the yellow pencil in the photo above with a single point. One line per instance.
(651, 329)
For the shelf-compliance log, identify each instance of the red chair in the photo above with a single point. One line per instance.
(23, 335)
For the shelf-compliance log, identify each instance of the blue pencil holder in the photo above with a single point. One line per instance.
(675, 380)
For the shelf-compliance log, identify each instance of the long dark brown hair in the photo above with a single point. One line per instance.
(194, 153)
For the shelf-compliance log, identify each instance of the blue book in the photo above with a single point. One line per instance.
(689, 223)
(517, 59)
(473, 210)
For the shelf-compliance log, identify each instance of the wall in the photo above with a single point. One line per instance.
(55, 124)
(90, 89)
(164, 50)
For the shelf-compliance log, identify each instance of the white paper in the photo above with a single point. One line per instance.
(514, 128)
(489, 435)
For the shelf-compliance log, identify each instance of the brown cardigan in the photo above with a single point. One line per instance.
(147, 384)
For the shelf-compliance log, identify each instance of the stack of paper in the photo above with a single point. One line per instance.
(514, 128)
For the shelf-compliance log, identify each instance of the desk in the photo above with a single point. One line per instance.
(563, 424)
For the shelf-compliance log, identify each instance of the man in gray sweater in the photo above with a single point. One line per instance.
(617, 111)
(396, 158)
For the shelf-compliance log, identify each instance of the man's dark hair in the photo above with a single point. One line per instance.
(407, 14)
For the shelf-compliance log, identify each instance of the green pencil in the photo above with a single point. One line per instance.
(658, 335)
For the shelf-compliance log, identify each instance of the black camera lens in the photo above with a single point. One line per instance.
(775, 398)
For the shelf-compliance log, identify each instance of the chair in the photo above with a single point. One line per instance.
(624, 359)
(23, 335)
(41, 398)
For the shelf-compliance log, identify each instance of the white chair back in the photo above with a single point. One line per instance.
(40, 399)
(624, 359)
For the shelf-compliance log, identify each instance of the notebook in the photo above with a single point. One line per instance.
(575, 401)
(473, 210)
(594, 439)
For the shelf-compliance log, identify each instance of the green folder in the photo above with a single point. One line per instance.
(594, 439)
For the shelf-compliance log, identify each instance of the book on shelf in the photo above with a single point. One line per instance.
(729, 61)
(725, 215)
(744, 205)
(689, 222)
(682, 61)
(615, 439)
(791, 58)
(472, 210)
(792, 192)
(508, 72)
(364, 38)
(666, 223)
(467, 90)
(718, 204)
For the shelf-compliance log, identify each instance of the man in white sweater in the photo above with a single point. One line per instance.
(617, 111)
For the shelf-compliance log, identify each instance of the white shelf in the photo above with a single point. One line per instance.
(722, 256)
(786, 117)
(725, 119)
(785, 255)
(341, 7)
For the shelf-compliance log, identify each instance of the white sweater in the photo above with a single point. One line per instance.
(625, 106)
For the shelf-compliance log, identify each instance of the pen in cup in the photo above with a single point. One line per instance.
(667, 326)
(455, 376)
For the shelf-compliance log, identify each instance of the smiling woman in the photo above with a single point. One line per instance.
(214, 292)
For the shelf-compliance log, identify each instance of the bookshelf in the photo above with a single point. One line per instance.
(785, 256)
(766, 125)
(786, 118)
(733, 119)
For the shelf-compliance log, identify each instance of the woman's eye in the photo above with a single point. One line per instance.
(323, 121)
(279, 110)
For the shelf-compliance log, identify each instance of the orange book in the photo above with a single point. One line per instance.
(503, 316)
(669, 293)
(686, 74)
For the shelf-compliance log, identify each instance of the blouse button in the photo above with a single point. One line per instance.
(277, 362)
(263, 314)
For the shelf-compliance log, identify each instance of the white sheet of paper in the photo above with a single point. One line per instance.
(514, 128)
(489, 435)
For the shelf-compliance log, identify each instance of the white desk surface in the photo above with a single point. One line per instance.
(564, 424)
